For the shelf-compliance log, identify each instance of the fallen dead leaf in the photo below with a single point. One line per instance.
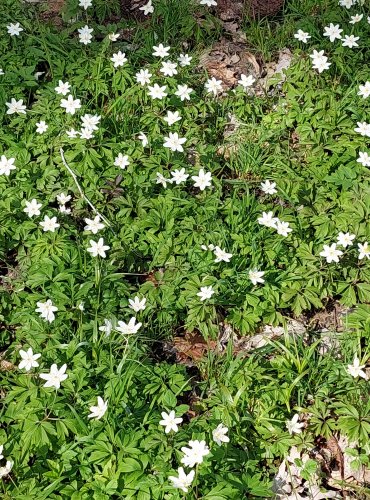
(6, 366)
(263, 8)
(192, 348)
(227, 60)
(230, 10)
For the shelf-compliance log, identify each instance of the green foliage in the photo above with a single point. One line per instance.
(299, 135)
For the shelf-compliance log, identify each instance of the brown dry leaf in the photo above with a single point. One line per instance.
(295, 137)
(6, 366)
(191, 348)
(336, 453)
(274, 69)
(227, 60)
(330, 318)
(262, 8)
(230, 10)
(155, 276)
(53, 12)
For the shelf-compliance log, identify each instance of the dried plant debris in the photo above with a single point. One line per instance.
(227, 60)
(263, 8)
(332, 460)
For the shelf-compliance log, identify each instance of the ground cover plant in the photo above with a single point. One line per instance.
(128, 217)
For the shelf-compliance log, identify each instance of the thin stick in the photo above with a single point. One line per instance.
(80, 190)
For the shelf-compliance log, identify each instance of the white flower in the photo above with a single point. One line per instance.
(41, 127)
(94, 225)
(168, 68)
(14, 29)
(364, 159)
(178, 176)
(157, 92)
(213, 86)
(62, 88)
(302, 36)
(32, 208)
(1, 451)
(356, 370)
(174, 142)
(99, 410)
(86, 133)
(350, 41)
(106, 328)
(162, 180)
(331, 253)
(85, 3)
(64, 210)
(121, 161)
(147, 8)
(364, 90)
(205, 293)
(319, 61)
(85, 35)
(113, 37)
(268, 187)
(81, 306)
(256, 276)
(356, 18)
(128, 328)
(119, 59)
(268, 220)
(364, 250)
(246, 81)
(144, 139)
(202, 180)
(70, 104)
(333, 32)
(184, 60)
(6, 166)
(38, 74)
(183, 482)
(345, 239)
(98, 248)
(1, 72)
(209, 3)
(15, 106)
(137, 304)
(46, 310)
(161, 51)
(90, 121)
(183, 91)
(283, 228)
(363, 128)
(221, 255)
(28, 359)
(63, 198)
(49, 224)
(208, 247)
(143, 76)
(195, 454)
(4, 471)
(293, 426)
(72, 133)
(347, 3)
(55, 376)
(219, 434)
(172, 117)
(170, 421)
